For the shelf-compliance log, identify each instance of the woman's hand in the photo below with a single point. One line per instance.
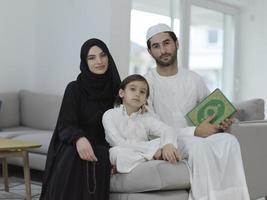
(170, 153)
(85, 149)
(114, 170)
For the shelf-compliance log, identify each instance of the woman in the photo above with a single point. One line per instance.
(78, 164)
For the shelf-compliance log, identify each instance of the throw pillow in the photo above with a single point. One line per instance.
(249, 110)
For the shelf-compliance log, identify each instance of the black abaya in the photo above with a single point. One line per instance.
(67, 176)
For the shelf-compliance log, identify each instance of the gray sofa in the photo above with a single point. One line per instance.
(29, 116)
(32, 116)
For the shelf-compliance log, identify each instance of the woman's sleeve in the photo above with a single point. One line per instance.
(67, 124)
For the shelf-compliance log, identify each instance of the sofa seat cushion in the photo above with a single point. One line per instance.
(151, 176)
(15, 131)
(37, 161)
(161, 195)
(40, 137)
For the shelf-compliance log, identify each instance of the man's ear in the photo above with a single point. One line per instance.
(177, 44)
(121, 93)
(149, 51)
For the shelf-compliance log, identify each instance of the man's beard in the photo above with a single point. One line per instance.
(168, 63)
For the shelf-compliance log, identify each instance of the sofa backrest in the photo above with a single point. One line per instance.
(39, 110)
(9, 113)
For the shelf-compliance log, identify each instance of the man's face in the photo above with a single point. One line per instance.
(163, 49)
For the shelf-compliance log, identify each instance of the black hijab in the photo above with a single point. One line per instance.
(98, 86)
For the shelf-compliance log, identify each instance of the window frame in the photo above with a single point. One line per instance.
(230, 56)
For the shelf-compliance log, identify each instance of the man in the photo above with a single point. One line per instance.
(214, 159)
(175, 91)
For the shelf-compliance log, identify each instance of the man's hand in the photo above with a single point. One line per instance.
(224, 125)
(170, 153)
(206, 129)
(85, 149)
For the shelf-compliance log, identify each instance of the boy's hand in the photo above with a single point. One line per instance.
(206, 129)
(170, 153)
(158, 155)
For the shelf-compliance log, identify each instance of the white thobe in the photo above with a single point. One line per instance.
(129, 137)
(171, 97)
(215, 162)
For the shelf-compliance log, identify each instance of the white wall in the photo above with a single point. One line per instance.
(16, 45)
(252, 71)
(40, 40)
(62, 27)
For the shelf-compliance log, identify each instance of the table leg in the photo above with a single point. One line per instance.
(27, 176)
(5, 173)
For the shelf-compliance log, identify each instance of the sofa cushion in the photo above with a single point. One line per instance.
(38, 136)
(37, 161)
(250, 110)
(9, 115)
(150, 176)
(15, 131)
(160, 195)
(39, 111)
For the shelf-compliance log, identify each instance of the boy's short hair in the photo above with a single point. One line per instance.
(126, 81)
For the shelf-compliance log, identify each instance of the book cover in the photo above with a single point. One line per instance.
(216, 103)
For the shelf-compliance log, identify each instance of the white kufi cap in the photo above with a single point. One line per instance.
(159, 28)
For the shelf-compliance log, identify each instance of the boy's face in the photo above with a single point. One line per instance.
(134, 95)
(163, 49)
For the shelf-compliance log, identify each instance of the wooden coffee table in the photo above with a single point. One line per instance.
(16, 148)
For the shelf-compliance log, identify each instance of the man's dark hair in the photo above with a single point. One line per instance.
(172, 34)
(126, 81)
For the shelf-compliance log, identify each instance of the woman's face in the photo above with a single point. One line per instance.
(97, 60)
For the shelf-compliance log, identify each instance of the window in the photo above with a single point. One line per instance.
(207, 42)
(206, 45)
(212, 36)
(144, 14)
(211, 44)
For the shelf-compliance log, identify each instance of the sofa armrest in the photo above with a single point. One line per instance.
(252, 136)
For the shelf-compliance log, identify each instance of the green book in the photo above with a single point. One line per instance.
(216, 103)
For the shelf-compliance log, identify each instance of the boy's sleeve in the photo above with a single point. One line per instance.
(115, 138)
(156, 127)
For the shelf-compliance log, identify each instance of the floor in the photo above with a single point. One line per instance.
(17, 189)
